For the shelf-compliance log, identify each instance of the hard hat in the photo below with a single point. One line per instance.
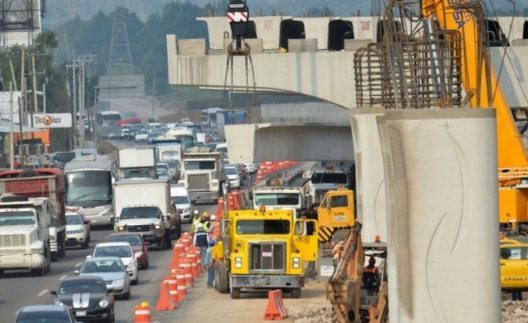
(196, 212)
(205, 214)
(213, 217)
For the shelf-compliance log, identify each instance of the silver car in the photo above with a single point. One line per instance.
(112, 271)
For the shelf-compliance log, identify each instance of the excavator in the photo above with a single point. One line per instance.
(462, 27)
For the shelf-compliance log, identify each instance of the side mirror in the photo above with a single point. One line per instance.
(76, 272)
(53, 292)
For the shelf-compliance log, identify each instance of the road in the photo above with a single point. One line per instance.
(19, 288)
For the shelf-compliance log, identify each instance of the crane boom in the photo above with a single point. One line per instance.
(478, 76)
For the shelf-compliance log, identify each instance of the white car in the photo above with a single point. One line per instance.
(251, 168)
(141, 136)
(233, 176)
(180, 200)
(77, 230)
(122, 250)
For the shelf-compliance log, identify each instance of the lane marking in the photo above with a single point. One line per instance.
(43, 293)
(62, 277)
(78, 264)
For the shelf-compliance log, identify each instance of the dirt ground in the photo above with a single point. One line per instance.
(207, 305)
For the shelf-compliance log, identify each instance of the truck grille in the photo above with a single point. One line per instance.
(267, 257)
(12, 240)
(198, 182)
(139, 228)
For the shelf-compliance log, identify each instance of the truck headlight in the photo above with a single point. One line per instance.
(120, 228)
(238, 262)
(157, 226)
(296, 263)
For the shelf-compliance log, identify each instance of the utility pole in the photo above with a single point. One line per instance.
(73, 67)
(21, 101)
(12, 130)
(81, 62)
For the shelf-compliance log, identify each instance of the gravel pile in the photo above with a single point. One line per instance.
(515, 311)
(312, 313)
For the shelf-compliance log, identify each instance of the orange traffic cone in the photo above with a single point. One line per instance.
(142, 313)
(275, 309)
(165, 302)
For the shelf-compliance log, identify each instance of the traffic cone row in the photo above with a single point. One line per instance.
(184, 269)
(269, 167)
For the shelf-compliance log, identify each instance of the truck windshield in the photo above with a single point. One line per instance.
(199, 165)
(263, 227)
(180, 199)
(137, 173)
(9, 218)
(276, 199)
(140, 213)
(170, 155)
(329, 178)
(88, 188)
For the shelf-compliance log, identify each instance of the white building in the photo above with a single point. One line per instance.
(20, 22)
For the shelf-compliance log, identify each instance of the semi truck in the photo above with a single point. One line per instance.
(89, 182)
(263, 249)
(24, 233)
(42, 182)
(203, 175)
(145, 207)
(137, 162)
(282, 198)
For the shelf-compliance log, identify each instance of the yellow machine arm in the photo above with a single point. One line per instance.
(478, 77)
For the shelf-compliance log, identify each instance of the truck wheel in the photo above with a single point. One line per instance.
(235, 292)
(168, 241)
(62, 248)
(295, 293)
(221, 278)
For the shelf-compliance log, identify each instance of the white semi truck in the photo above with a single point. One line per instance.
(137, 163)
(145, 207)
(24, 234)
(203, 175)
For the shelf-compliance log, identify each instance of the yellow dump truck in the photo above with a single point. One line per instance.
(336, 212)
(263, 249)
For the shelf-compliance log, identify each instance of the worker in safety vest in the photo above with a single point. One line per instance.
(201, 239)
(196, 219)
(214, 229)
(371, 277)
(206, 221)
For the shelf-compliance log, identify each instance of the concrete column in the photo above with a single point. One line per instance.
(443, 222)
(370, 181)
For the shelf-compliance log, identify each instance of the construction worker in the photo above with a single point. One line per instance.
(206, 220)
(196, 219)
(371, 277)
(201, 239)
(214, 229)
(208, 262)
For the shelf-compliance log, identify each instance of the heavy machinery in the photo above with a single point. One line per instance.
(336, 212)
(263, 249)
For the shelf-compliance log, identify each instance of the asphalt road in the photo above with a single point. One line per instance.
(19, 288)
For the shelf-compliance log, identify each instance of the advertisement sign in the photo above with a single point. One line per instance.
(52, 120)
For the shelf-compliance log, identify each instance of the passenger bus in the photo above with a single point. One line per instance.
(89, 182)
(108, 118)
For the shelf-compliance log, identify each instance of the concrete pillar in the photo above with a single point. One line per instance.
(443, 222)
(370, 182)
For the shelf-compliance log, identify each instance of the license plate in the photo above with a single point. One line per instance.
(267, 254)
(81, 313)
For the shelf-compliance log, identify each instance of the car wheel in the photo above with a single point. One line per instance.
(136, 281)
(85, 244)
(127, 295)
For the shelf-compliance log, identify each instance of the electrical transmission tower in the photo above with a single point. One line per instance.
(119, 45)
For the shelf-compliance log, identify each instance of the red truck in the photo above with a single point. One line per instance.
(42, 182)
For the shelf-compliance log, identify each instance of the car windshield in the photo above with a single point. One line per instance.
(180, 200)
(17, 218)
(134, 240)
(140, 213)
(162, 172)
(78, 286)
(263, 226)
(276, 199)
(74, 219)
(199, 165)
(83, 187)
(113, 251)
(43, 317)
(102, 266)
(231, 171)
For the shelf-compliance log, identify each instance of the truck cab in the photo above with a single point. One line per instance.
(337, 211)
(281, 198)
(203, 175)
(264, 249)
(24, 235)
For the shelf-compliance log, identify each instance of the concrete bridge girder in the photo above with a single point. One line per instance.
(265, 142)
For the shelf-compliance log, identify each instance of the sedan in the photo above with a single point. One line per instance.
(44, 313)
(122, 250)
(88, 298)
(112, 271)
(233, 177)
(77, 229)
(139, 246)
